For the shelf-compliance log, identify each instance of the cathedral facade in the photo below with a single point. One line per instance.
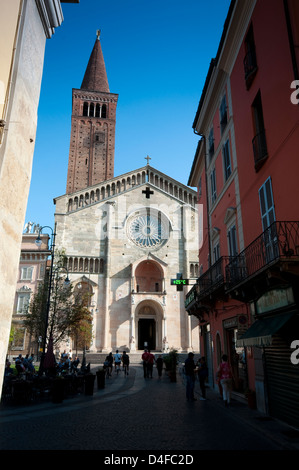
(125, 237)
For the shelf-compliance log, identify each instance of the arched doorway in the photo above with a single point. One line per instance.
(147, 333)
(148, 315)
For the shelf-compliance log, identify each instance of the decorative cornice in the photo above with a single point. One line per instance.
(95, 96)
(51, 15)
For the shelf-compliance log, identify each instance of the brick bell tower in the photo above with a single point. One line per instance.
(92, 143)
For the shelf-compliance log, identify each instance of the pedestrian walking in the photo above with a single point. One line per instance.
(109, 364)
(190, 376)
(224, 373)
(150, 364)
(203, 373)
(126, 362)
(117, 360)
(159, 364)
(144, 358)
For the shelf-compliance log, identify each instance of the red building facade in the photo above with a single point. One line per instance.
(245, 169)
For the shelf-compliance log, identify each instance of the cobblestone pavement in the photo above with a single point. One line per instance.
(132, 413)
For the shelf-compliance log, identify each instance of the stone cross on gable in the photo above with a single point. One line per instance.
(147, 158)
(147, 192)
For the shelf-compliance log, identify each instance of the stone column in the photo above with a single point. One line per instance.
(164, 329)
(107, 289)
(132, 329)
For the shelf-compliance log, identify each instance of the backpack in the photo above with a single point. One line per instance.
(126, 359)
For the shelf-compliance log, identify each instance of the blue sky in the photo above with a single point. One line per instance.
(157, 54)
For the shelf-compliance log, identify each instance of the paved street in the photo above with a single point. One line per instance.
(133, 413)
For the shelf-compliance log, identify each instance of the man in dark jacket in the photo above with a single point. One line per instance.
(190, 376)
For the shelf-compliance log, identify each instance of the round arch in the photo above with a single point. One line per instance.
(149, 277)
(149, 320)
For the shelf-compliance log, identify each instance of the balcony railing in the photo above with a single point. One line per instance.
(213, 278)
(191, 296)
(280, 241)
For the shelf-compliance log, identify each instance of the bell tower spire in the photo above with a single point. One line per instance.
(92, 143)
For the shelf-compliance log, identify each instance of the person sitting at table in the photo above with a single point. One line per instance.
(8, 370)
(30, 363)
(75, 363)
(19, 364)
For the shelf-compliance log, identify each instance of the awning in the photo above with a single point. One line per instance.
(261, 331)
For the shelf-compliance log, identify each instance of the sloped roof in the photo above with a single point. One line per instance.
(95, 78)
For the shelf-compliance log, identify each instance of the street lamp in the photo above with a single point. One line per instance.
(38, 242)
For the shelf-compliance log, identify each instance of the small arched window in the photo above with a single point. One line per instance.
(91, 110)
(98, 110)
(85, 109)
(104, 111)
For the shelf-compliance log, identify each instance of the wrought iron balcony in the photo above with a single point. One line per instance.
(279, 242)
(213, 278)
(191, 297)
(212, 281)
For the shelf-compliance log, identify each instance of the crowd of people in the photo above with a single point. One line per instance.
(22, 365)
(192, 370)
(25, 364)
(224, 377)
(67, 363)
(118, 361)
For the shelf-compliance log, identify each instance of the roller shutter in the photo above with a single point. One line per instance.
(282, 379)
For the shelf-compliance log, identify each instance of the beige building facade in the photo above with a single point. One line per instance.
(125, 239)
(32, 271)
